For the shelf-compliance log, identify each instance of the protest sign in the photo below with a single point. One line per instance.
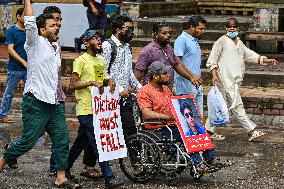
(192, 131)
(107, 125)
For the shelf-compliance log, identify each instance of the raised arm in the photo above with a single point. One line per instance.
(30, 26)
(28, 10)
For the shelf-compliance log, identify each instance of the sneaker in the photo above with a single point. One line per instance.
(113, 183)
(78, 44)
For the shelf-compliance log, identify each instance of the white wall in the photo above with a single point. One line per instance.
(74, 21)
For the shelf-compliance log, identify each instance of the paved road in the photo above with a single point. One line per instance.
(258, 165)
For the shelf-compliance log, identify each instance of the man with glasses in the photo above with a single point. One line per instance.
(194, 128)
(227, 64)
(160, 50)
(120, 70)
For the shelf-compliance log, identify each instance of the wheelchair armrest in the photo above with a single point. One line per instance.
(155, 121)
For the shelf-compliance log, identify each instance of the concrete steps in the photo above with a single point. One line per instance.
(257, 100)
(214, 27)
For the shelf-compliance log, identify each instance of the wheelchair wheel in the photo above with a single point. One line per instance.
(143, 160)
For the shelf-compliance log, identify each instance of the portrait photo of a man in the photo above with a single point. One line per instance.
(192, 125)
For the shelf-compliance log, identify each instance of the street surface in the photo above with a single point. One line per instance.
(258, 165)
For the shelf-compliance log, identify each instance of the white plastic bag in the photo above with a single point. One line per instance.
(218, 112)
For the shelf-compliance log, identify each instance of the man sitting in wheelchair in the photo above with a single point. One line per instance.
(154, 103)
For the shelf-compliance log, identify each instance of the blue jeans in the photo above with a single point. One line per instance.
(208, 155)
(196, 158)
(13, 78)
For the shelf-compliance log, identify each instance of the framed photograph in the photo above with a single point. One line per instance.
(189, 123)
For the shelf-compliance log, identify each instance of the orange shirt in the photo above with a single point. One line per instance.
(159, 101)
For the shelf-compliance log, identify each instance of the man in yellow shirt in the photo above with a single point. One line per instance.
(89, 70)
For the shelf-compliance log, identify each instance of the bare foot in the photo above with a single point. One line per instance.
(2, 163)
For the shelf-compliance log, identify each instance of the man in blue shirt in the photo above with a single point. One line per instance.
(187, 49)
(17, 66)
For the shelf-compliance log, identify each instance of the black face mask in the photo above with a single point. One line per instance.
(126, 36)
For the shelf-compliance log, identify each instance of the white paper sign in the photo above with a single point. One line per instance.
(107, 125)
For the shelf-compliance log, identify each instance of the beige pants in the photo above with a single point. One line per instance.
(237, 111)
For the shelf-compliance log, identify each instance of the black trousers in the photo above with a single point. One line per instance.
(129, 128)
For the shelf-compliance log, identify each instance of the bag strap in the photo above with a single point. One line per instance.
(113, 54)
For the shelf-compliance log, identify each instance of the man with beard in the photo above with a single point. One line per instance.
(41, 110)
(120, 69)
(84, 76)
(154, 103)
(188, 51)
(160, 50)
(227, 64)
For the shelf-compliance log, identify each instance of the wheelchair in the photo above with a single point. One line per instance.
(150, 154)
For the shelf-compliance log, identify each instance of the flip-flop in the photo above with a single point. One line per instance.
(216, 136)
(67, 184)
(13, 164)
(92, 173)
(255, 135)
(6, 120)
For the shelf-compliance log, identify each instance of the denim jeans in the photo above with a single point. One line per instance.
(207, 155)
(13, 78)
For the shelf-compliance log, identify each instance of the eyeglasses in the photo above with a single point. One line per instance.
(128, 27)
(97, 37)
(235, 27)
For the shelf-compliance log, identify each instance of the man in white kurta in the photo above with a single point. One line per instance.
(227, 64)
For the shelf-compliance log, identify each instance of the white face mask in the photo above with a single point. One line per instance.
(232, 35)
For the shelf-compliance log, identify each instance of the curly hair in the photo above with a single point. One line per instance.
(51, 10)
(118, 22)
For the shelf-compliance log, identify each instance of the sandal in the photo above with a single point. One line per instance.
(216, 136)
(52, 173)
(255, 135)
(219, 164)
(201, 168)
(92, 173)
(6, 120)
(13, 164)
(67, 184)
